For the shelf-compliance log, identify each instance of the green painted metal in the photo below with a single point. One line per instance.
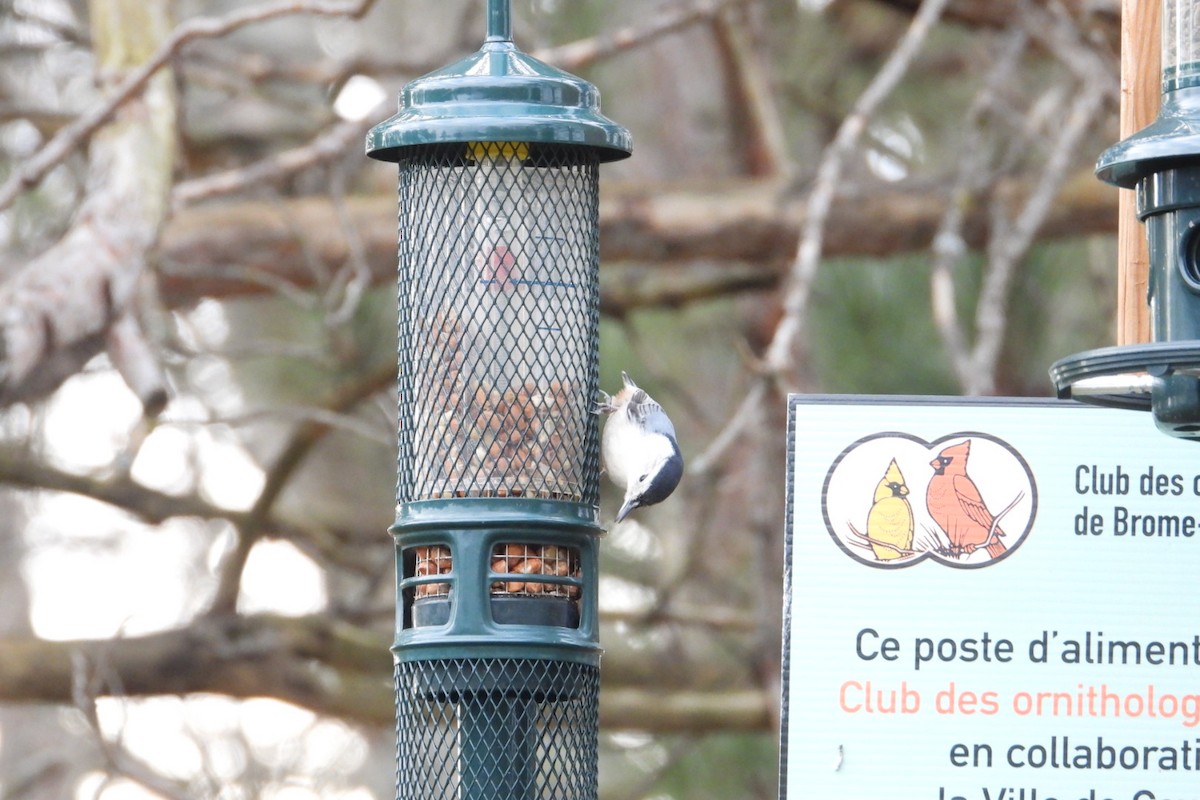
(499, 21)
(1162, 163)
(1173, 137)
(472, 528)
(499, 94)
(511, 512)
(497, 729)
(1157, 359)
(1168, 202)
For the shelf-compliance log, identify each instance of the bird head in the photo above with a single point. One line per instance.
(952, 460)
(655, 484)
(892, 483)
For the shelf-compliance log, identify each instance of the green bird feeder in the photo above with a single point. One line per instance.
(1162, 163)
(497, 521)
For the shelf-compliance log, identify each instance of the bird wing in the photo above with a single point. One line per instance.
(970, 501)
(649, 414)
(892, 519)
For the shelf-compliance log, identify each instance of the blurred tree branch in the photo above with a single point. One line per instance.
(297, 448)
(1013, 230)
(1000, 13)
(778, 358)
(76, 298)
(316, 662)
(580, 54)
(731, 222)
(758, 127)
(68, 140)
(19, 469)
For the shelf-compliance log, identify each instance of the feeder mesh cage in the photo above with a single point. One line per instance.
(499, 322)
(497, 729)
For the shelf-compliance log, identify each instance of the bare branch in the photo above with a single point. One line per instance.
(628, 287)
(1012, 242)
(777, 360)
(60, 307)
(585, 52)
(88, 682)
(1105, 15)
(152, 507)
(303, 439)
(294, 659)
(949, 246)
(690, 712)
(137, 363)
(662, 228)
(330, 145)
(336, 141)
(69, 139)
(753, 107)
(120, 491)
(315, 662)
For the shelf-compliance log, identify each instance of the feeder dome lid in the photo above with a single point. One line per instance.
(499, 94)
(1172, 140)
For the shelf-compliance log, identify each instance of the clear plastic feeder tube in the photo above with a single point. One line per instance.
(526, 317)
(1180, 44)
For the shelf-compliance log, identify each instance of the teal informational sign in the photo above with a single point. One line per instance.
(989, 600)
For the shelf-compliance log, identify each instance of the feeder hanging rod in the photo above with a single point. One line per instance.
(499, 21)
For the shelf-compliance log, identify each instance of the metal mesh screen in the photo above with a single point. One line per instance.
(528, 584)
(499, 322)
(496, 729)
(533, 569)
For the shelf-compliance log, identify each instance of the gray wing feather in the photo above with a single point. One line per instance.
(649, 414)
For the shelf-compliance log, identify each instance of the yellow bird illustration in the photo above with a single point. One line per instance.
(890, 520)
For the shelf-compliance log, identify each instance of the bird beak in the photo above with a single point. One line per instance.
(629, 505)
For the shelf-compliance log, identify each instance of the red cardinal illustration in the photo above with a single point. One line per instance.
(955, 504)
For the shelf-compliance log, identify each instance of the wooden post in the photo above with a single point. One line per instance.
(1141, 91)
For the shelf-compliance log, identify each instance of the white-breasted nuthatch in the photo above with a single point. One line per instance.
(639, 448)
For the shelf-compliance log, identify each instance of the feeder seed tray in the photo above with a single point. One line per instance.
(433, 560)
(533, 560)
(523, 562)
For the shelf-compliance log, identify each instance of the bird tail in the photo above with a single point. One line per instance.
(996, 548)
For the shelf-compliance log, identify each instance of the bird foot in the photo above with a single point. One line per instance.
(953, 551)
(604, 405)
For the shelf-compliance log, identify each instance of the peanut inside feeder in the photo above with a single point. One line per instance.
(432, 560)
(528, 568)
